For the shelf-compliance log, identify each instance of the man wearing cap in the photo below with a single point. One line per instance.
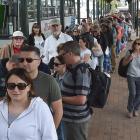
(51, 43)
(14, 48)
(6, 65)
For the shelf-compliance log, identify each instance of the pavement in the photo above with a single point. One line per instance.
(111, 122)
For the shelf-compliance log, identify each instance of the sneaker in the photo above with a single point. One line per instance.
(136, 114)
(130, 114)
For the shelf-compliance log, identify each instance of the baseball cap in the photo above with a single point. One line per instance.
(14, 58)
(55, 22)
(17, 34)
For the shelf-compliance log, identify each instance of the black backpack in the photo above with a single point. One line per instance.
(100, 84)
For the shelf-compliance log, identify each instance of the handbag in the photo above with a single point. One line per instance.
(122, 69)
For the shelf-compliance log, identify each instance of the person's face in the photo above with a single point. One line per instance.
(58, 67)
(75, 32)
(67, 56)
(96, 32)
(36, 31)
(137, 45)
(82, 43)
(56, 29)
(18, 92)
(18, 41)
(29, 61)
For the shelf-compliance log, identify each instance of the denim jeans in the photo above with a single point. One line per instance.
(60, 131)
(134, 93)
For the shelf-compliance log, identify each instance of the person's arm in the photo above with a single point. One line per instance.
(86, 57)
(57, 112)
(75, 100)
(128, 58)
(46, 123)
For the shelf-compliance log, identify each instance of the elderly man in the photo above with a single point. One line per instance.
(51, 43)
(9, 49)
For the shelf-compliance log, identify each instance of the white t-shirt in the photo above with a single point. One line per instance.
(39, 43)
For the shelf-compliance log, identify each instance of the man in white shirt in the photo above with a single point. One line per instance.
(51, 43)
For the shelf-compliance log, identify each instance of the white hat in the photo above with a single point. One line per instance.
(18, 34)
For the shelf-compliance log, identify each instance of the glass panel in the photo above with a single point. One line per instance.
(32, 9)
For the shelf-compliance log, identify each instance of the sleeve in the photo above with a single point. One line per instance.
(68, 38)
(55, 90)
(46, 53)
(46, 123)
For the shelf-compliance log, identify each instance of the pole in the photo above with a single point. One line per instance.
(78, 11)
(62, 15)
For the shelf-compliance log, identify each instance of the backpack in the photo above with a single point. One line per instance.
(122, 69)
(99, 87)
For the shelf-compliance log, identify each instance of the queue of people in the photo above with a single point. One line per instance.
(52, 106)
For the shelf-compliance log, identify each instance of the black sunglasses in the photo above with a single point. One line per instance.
(137, 43)
(57, 64)
(28, 60)
(55, 25)
(20, 86)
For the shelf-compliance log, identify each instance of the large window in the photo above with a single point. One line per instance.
(32, 9)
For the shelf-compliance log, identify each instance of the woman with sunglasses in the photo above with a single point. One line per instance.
(133, 78)
(59, 68)
(22, 115)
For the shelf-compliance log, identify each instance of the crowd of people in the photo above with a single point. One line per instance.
(38, 93)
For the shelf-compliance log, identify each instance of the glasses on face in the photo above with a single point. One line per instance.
(28, 60)
(94, 31)
(137, 43)
(63, 54)
(55, 25)
(18, 38)
(20, 86)
(57, 64)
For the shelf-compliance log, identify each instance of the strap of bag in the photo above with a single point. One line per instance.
(9, 49)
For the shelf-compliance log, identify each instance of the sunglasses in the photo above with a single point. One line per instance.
(137, 43)
(55, 25)
(94, 31)
(63, 54)
(28, 60)
(18, 38)
(20, 86)
(57, 64)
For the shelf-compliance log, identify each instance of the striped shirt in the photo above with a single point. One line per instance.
(76, 113)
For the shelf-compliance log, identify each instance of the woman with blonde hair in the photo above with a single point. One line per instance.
(133, 78)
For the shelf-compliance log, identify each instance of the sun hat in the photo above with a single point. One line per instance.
(17, 34)
(55, 22)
